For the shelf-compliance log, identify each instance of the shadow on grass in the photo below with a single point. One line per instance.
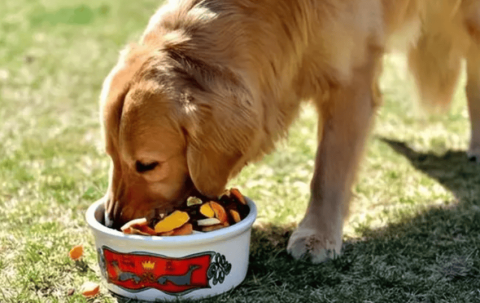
(453, 169)
(430, 257)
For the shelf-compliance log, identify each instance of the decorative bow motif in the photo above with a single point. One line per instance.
(218, 269)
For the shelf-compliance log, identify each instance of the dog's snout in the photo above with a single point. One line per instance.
(130, 197)
(120, 211)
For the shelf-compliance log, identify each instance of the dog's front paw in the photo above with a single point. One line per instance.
(310, 244)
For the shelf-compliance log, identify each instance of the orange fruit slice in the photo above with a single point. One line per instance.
(237, 194)
(235, 215)
(76, 252)
(147, 230)
(186, 229)
(220, 213)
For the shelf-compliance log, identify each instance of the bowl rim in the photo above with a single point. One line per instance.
(172, 241)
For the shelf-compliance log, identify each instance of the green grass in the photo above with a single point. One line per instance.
(414, 230)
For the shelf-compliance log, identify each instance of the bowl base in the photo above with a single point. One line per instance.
(122, 299)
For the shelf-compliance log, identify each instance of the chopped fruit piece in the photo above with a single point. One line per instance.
(207, 210)
(236, 193)
(191, 201)
(235, 215)
(166, 234)
(213, 227)
(130, 230)
(220, 213)
(138, 227)
(208, 222)
(193, 216)
(172, 221)
(134, 231)
(135, 223)
(90, 289)
(76, 252)
(148, 230)
(184, 230)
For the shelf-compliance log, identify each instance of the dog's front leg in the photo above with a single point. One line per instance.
(346, 121)
(473, 96)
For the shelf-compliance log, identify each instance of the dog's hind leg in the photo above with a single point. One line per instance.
(346, 120)
(473, 97)
(435, 63)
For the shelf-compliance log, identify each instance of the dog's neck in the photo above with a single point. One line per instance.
(259, 57)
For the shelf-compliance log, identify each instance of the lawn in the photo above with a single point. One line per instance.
(414, 230)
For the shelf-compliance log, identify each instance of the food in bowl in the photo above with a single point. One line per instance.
(159, 267)
(194, 215)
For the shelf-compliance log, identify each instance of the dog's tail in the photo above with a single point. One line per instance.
(435, 60)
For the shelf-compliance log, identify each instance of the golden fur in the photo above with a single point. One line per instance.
(212, 85)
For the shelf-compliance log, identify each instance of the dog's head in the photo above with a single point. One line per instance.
(172, 126)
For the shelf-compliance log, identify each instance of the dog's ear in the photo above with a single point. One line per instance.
(222, 125)
(115, 88)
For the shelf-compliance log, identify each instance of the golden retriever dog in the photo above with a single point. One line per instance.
(213, 84)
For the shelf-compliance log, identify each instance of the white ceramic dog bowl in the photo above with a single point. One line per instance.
(166, 268)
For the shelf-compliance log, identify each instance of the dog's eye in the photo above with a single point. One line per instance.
(142, 167)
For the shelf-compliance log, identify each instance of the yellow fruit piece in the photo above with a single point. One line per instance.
(172, 221)
(235, 215)
(76, 252)
(90, 289)
(207, 210)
